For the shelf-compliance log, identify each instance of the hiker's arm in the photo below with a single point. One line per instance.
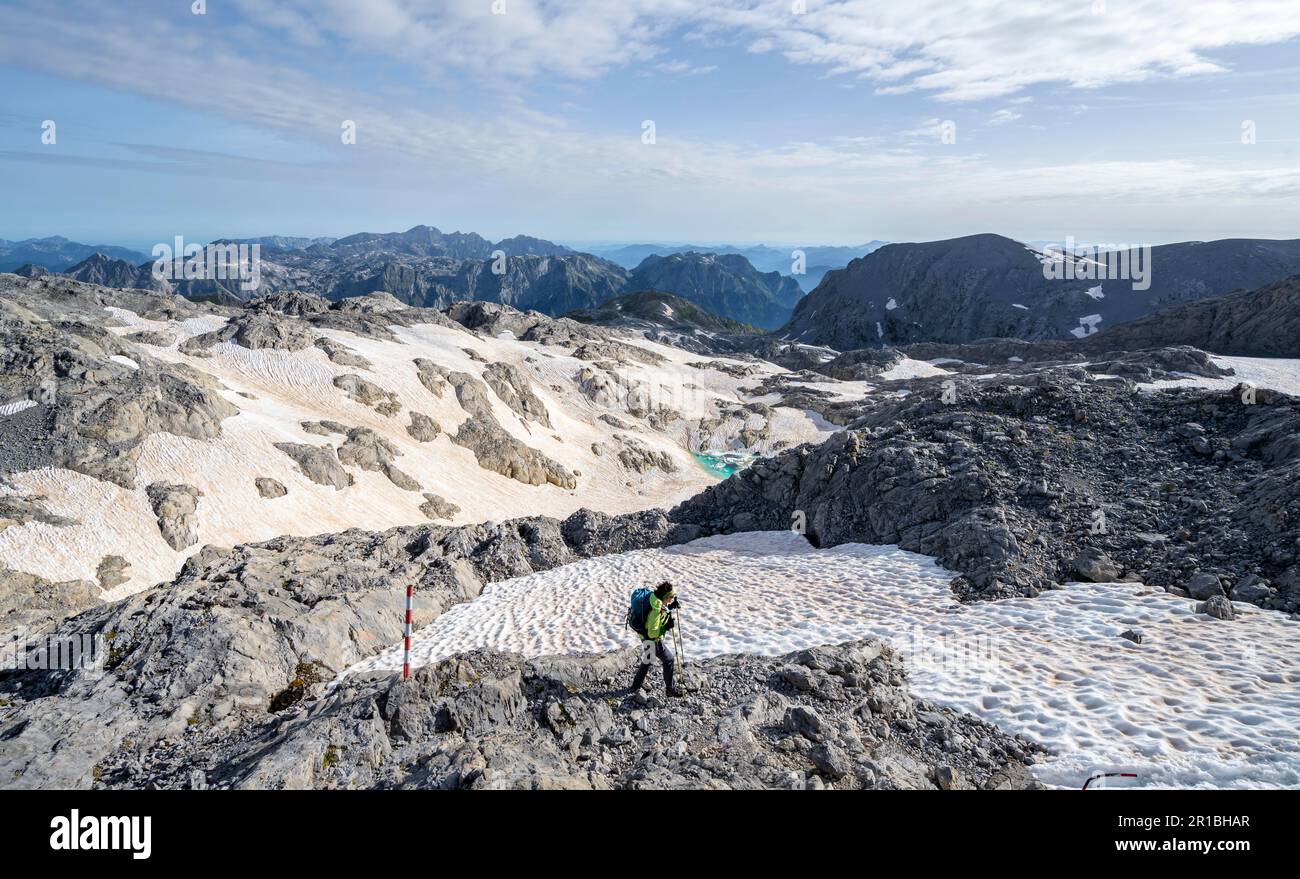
(654, 624)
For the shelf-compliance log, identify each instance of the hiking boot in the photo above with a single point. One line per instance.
(676, 692)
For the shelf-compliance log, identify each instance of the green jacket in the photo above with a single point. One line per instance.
(656, 620)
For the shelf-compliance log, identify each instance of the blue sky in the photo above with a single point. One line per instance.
(1117, 122)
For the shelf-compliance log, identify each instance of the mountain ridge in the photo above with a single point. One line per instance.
(989, 286)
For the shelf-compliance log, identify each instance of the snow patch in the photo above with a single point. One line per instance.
(1200, 703)
(1088, 324)
(1275, 373)
(909, 368)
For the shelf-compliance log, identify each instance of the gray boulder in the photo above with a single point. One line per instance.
(176, 507)
(270, 488)
(1095, 566)
(320, 464)
(1251, 588)
(1203, 585)
(1218, 606)
(423, 428)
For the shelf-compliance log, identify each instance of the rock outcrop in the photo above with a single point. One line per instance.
(368, 393)
(368, 450)
(98, 397)
(320, 464)
(423, 428)
(242, 630)
(270, 488)
(835, 717)
(1024, 482)
(436, 507)
(176, 507)
(514, 389)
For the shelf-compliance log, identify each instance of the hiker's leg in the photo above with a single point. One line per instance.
(664, 651)
(647, 654)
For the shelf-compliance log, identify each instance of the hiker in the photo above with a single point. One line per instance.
(651, 616)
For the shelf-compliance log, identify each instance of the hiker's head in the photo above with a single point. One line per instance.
(664, 591)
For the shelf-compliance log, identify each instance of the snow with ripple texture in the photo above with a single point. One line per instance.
(1200, 702)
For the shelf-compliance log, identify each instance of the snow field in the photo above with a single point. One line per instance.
(1200, 702)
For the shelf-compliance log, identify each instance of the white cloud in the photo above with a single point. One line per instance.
(827, 189)
(1003, 116)
(951, 49)
(685, 68)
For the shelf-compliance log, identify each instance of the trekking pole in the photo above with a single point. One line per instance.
(677, 633)
(406, 640)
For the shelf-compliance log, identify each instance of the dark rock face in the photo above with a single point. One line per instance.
(1260, 323)
(942, 291)
(724, 284)
(1026, 482)
(859, 365)
(969, 288)
(107, 271)
(653, 310)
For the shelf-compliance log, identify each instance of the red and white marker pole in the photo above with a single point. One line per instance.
(410, 605)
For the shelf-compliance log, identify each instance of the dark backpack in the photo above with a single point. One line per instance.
(639, 610)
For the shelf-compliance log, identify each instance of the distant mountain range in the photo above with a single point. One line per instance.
(57, 253)
(285, 242)
(954, 291)
(424, 266)
(984, 286)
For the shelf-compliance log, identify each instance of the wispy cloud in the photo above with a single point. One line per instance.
(474, 126)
